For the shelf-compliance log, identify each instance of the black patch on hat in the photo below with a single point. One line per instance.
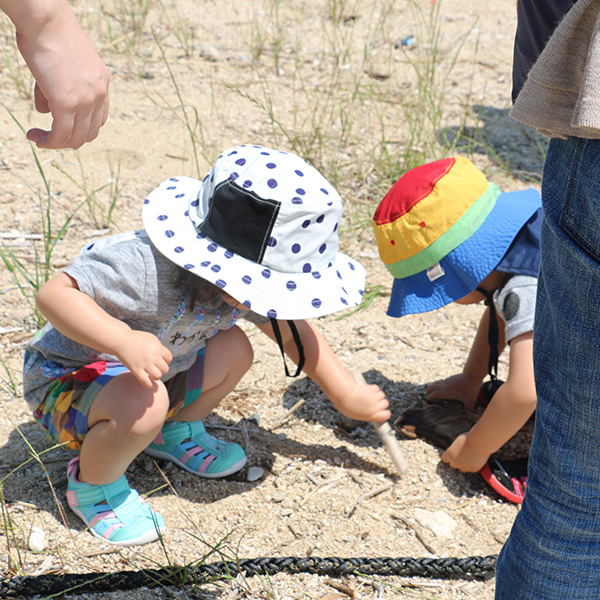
(510, 308)
(240, 220)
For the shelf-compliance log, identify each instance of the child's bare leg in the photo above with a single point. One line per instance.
(228, 357)
(123, 419)
(184, 439)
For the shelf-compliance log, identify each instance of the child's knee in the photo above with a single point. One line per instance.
(156, 411)
(246, 352)
(131, 406)
(235, 345)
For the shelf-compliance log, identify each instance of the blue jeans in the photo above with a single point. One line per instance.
(553, 551)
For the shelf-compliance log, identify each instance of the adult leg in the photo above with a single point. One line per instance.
(553, 551)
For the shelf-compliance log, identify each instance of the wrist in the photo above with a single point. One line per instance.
(476, 446)
(119, 338)
(33, 17)
(473, 377)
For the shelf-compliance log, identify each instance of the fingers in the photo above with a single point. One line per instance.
(151, 371)
(35, 135)
(448, 459)
(144, 379)
(159, 368)
(381, 415)
(435, 387)
(69, 131)
(40, 101)
(380, 410)
(438, 393)
(70, 128)
(147, 377)
(65, 132)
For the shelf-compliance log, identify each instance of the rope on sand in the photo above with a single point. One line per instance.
(474, 567)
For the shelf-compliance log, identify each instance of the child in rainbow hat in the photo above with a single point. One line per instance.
(446, 234)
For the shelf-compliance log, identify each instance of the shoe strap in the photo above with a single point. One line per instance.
(87, 493)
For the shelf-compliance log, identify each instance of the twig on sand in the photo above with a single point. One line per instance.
(368, 495)
(326, 485)
(418, 533)
(288, 414)
(342, 587)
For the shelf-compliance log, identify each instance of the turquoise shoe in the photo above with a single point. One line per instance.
(114, 512)
(188, 445)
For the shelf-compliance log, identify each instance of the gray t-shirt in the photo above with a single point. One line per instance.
(515, 303)
(136, 284)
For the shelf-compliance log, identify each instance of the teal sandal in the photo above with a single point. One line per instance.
(113, 512)
(188, 445)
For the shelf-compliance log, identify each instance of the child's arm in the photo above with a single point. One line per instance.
(354, 400)
(508, 411)
(466, 385)
(78, 317)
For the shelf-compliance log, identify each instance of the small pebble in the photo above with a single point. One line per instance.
(254, 473)
(37, 539)
(278, 496)
(210, 53)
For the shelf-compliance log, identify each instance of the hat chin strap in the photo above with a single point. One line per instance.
(299, 346)
(493, 334)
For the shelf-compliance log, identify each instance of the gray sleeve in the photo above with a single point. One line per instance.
(115, 276)
(515, 303)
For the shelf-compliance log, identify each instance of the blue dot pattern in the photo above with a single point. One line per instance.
(301, 274)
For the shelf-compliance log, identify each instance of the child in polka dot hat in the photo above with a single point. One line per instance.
(142, 343)
(447, 234)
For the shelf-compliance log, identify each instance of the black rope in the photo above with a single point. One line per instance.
(474, 567)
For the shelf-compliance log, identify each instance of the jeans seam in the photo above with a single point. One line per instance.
(572, 231)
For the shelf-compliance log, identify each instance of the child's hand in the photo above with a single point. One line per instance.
(144, 355)
(461, 456)
(460, 387)
(366, 402)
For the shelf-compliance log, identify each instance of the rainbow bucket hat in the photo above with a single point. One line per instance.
(442, 229)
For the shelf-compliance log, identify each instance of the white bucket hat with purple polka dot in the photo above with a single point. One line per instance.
(262, 226)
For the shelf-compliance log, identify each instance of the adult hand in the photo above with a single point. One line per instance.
(71, 79)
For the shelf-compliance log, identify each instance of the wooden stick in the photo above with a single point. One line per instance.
(368, 495)
(418, 533)
(288, 414)
(386, 434)
(390, 442)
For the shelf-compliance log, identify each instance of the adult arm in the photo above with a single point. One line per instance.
(71, 79)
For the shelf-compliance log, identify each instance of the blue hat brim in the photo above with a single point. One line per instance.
(471, 262)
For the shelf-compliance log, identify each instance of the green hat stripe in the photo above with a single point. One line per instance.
(461, 231)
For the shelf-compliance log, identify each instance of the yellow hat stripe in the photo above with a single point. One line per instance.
(433, 216)
(460, 232)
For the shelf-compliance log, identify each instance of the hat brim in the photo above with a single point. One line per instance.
(470, 262)
(265, 291)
